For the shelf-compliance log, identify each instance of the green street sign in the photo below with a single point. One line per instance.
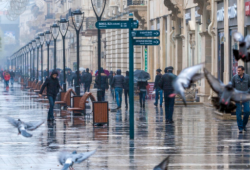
(117, 24)
(146, 41)
(146, 33)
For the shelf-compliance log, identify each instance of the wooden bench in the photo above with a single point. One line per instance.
(80, 101)
(32, 84)
(66, 96)
(36, 87)
(39, 87)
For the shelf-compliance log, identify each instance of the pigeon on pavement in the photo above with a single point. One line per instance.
(227, 94)
(23, 126)
(163, 165)
(244, 44)
(68, 159)
(185, 79)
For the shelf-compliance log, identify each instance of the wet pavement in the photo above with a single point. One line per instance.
(197, 139)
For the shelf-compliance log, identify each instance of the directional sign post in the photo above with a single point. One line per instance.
(130, 25)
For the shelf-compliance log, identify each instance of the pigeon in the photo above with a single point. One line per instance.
(22, 126)
(67, 159)
(244, 44)
(163, 165)
(227, 94)
(184, 80)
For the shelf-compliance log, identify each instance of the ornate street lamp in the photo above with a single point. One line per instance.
(55, 32)
(99, 7)
(64, 24)
(77, 20)
(34, 48)
(47, 39)
(41, 35)
(31, 48)
(37, 58)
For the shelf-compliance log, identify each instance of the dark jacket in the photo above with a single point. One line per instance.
(142, 85)
(110, 77)
(69, 76)
(87, 78)
(241, 84)
(12, 74)
(157, 80)
(52, 85)
(104, 80)
(118, 80)
(126, 81)
(166, 81)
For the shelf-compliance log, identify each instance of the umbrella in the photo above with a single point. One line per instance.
(140, 75)
(105, 71)
(82, 69)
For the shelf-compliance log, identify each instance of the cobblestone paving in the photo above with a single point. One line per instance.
(197, 140)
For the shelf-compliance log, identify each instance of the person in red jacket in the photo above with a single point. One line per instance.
(6, 79)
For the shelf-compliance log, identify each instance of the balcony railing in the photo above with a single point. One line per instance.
(49, 16)
(136, 2)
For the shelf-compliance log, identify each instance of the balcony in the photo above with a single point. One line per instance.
(49, 16)
(136, 2)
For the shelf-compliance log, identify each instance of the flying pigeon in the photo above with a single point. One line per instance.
(22, 126)
(67, 159)
(185, 79)
(244, 44)
(163, 165)
(227, 94)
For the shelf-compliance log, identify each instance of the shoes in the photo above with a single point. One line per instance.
(245, 129)
(240, 131)
(118, 108)
(171, 121)
(155, 105)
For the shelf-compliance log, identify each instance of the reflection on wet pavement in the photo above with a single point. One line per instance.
(197, 139)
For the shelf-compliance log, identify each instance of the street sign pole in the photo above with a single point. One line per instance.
(131, 81)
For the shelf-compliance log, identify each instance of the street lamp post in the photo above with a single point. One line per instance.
(77, 20)
(99, 7)
(27, 68)
(34, 48)
(30, 48)
(37, 57)
(47, 39)
(55, 31)
(63, 23)
(42, 42)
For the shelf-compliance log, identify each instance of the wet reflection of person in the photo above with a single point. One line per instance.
(51, 138)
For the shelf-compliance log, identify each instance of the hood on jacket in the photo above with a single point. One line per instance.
(119, 72)
(127, 73)
(87, 70)
(54, 72)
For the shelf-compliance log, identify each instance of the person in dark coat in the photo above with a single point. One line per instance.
(104, 83)
(110, 80)
(53, 86)
(117, 84)
(158, 90)
(87, 77)
(166, 85)
(12, 76)
(69, 78)
(142, 86)
(126, 88)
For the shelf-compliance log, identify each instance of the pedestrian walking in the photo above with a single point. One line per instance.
(241, 82)
(87, 77)
(82, 79)
(12, 76)
(126, 88)
(118, 84)
(142, 86)
(158, 90)
(6, 79)
(166, 85)
(53, 86)
(103, 85)
(69, 78)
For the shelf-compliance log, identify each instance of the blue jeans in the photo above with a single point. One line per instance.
(86, 87)
(103, 94)
(12, 80)
(51, 107)
(242, 123)
(118, 96)
(142, 97)
(157, 91)
(169, 106)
